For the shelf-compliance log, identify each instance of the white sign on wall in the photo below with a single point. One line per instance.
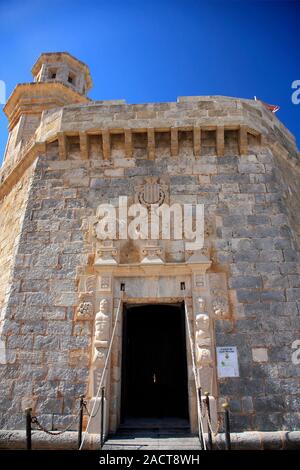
(227, 361)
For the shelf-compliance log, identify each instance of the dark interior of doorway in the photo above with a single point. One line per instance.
(154, 367)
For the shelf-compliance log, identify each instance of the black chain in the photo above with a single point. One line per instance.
(88, 413)
(209, 423)
(34, 420)
(220, 420)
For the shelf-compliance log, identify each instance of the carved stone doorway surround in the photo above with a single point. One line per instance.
(167, 283)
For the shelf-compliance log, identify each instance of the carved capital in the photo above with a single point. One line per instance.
(152, 254)
(106, 254)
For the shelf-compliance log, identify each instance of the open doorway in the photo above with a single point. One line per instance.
(154, 363)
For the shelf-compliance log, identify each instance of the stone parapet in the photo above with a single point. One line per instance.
(209, 120)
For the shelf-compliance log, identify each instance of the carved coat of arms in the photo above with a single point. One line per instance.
(152, 192)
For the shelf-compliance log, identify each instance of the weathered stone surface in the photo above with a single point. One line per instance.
(74, 158)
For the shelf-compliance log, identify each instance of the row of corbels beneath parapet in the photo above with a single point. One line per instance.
(218, 134)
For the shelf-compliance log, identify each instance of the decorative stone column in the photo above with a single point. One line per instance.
(101, 340)
(203, 346)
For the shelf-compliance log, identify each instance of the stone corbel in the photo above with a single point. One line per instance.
(243, 140)
(151, 144)
(106, 144)
(220, 141)
(197, 141)
(128, 143)
(84, 145)
(174, 142)
(62, 146)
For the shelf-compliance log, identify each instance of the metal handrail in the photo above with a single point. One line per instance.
(103, 376)
(197, 382)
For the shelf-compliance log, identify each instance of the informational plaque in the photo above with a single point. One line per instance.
(227, 362)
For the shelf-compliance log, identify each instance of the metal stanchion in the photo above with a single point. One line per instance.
(210, 442)
(225, 406)
(28, 428)
(201, 434)
(102, 419)
(80, 421)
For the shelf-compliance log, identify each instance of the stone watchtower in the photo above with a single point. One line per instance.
(59, 80)
(65, 69)
(64, 290)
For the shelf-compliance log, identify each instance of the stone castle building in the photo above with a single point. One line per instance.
(64, 291)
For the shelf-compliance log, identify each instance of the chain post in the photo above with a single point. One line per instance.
(81, 405)
(207, 402)
(102, 419)
(225, 406)
(28, 428)
(201, 434)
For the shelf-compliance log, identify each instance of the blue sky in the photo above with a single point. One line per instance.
(145, 51)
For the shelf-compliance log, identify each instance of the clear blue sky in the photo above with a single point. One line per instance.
(145, 51)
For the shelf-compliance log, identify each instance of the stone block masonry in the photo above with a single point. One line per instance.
(231, 155)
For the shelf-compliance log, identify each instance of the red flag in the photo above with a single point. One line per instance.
(272, 107)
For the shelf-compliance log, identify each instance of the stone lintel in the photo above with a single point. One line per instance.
(166, 269)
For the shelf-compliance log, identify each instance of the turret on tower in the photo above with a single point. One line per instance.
(62, 67)
(59, 79)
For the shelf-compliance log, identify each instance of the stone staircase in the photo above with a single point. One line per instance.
(153, 435)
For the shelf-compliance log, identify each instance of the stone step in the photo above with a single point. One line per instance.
(149, 440)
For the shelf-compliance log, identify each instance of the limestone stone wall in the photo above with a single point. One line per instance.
(248, 237)
(12, 212)
(288, 178)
